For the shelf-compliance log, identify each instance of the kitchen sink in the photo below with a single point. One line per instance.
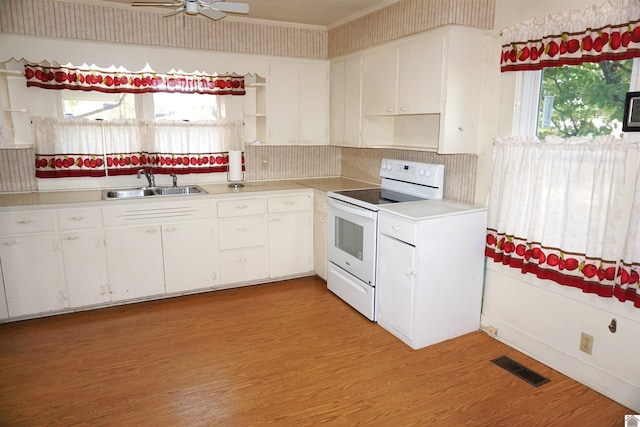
(128, 193)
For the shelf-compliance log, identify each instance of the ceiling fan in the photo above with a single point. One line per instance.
(211, 9)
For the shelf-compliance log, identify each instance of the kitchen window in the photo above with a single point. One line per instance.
(576, 100)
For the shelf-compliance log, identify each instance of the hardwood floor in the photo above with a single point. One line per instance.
(288, 353)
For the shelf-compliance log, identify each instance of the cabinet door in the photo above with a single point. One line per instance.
(337, 86)
(32, 276)
(290, 244)
(85, 267)
(379, 78)
(420, 75)
(396, 282)
(190, 256)
(314, 104)
(284, 94)
(134, 259)
(352, 102)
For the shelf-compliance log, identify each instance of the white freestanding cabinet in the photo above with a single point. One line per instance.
(290, 228)
(298, 103)
(430, 271)
(345, 102)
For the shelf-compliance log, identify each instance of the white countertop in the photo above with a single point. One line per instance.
(425, 209)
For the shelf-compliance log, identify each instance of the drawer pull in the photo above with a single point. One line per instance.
(242, 229)
(71, 237)
(151, 230)
(24, 221)
(242, 206)
(77, 218)
(170, 229)
(242, 260)
(289, 203)
(9, 243)
(410, 273)
(396, 229)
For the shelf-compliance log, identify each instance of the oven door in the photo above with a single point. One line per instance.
(351, 239)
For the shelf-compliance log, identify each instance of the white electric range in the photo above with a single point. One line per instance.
(352, 227)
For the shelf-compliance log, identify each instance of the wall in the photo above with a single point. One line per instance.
(540, 317)
(405, 18)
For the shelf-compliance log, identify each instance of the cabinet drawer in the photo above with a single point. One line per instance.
(26, 222)
(70, 219)
(241, 233)
(240, 207)
(289, 203)
(398, 228)
(155, 213)
(243, 265)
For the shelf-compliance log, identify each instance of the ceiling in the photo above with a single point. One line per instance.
(311, 12)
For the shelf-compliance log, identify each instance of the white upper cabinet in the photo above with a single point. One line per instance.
(422, 93)
(346, 102)
(298, 103)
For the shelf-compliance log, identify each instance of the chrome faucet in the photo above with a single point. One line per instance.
(149, 176)
(174, 177)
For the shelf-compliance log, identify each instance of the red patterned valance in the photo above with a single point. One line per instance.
(609, 43)
(121, 81)
(607, 32)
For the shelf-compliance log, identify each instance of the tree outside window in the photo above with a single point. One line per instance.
(583, 100)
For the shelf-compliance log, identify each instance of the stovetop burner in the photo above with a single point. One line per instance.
(378, 196)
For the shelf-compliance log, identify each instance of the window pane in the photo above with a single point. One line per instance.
(97, 105)
(583, 100)
(185, 106)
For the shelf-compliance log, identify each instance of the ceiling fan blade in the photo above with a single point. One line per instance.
(213, 14)
(155, 3)
(230, 7)
(175, 12)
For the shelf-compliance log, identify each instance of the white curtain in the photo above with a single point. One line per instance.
(563, 209)
(83, 147)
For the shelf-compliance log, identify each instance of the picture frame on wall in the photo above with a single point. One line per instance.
(631, 118)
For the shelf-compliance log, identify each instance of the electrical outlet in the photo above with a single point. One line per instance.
(586, 343)
(492, 331)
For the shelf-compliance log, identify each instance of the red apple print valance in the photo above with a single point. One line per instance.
(119, 80)
(607, 32)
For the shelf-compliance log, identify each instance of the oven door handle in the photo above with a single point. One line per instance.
(345, 207)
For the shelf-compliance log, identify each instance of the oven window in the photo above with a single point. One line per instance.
(349, 237)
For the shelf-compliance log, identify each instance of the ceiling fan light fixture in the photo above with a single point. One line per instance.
(191, 7)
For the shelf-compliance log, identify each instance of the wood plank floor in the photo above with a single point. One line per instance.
(287, 353)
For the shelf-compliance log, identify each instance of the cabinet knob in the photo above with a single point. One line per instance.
(410, 273)
(404, 109)
(24, 221)
(151, 230)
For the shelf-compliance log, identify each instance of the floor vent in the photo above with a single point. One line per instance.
(520, 371)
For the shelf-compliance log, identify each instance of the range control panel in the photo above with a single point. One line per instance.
(428, 174)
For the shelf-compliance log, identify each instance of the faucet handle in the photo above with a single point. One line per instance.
(174, 177)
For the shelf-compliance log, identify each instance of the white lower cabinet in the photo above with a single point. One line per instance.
(85, 267)
(430, 273)
(57, 259)
(190, 256)
(134, 259)
(32, 275)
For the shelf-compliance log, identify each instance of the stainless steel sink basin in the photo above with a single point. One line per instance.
(128, 193)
